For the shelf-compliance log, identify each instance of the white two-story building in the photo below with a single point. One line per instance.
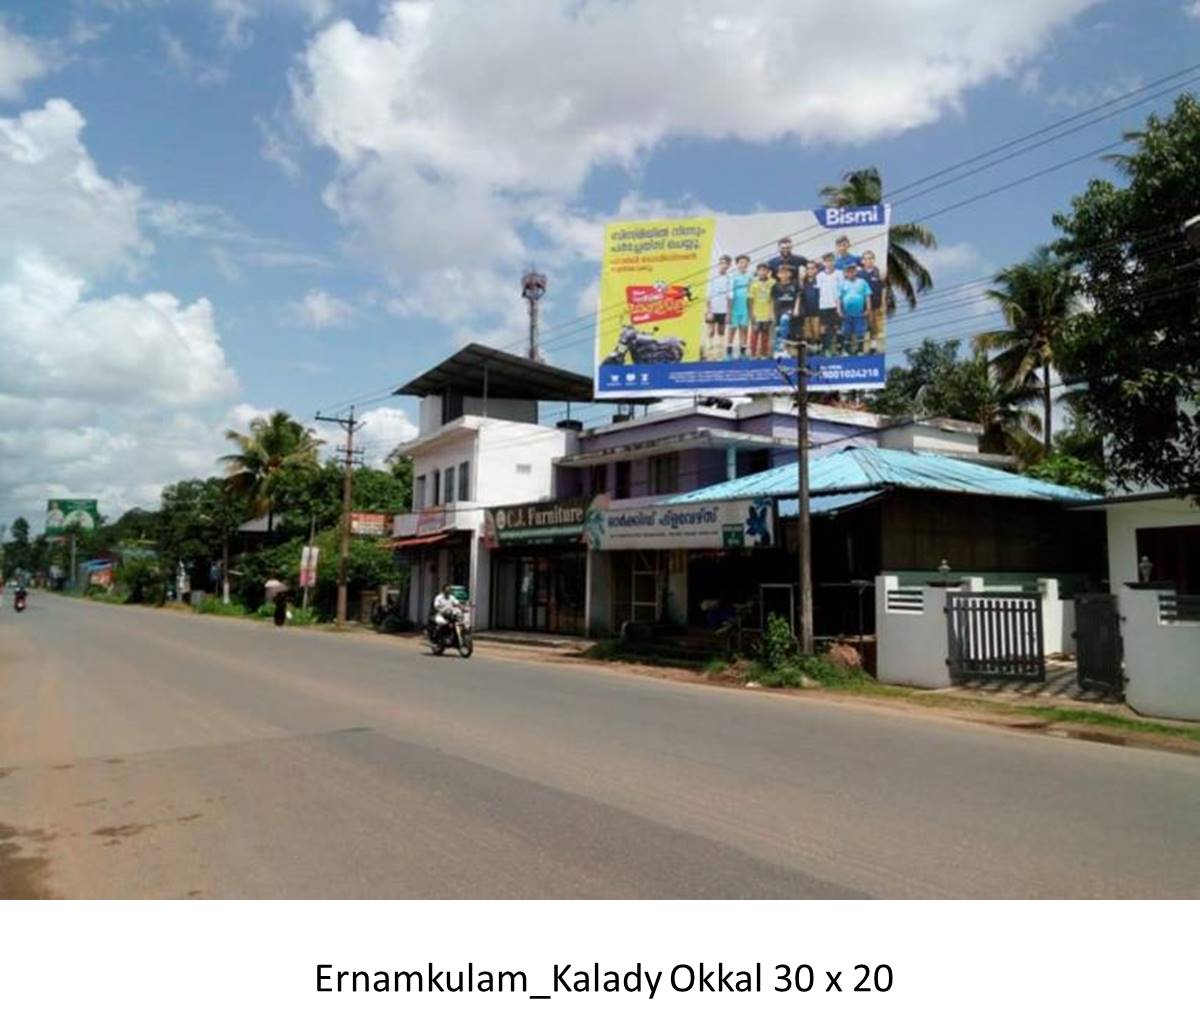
(480, 445)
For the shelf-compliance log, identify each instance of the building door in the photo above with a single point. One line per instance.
(645, 586)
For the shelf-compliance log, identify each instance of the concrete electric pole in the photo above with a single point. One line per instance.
(349, 454)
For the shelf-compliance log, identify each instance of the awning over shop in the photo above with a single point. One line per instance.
(421, 540)
(830, 504)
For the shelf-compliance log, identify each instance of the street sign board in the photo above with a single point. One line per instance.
(63, 515)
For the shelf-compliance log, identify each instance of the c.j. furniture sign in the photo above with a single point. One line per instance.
(556, 521)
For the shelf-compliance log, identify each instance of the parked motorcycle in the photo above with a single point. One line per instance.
(454, 632)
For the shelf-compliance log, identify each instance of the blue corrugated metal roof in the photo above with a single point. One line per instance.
(828, 504)
(861, 468)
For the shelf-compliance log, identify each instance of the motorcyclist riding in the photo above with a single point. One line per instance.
(447, 607)
(448, 625)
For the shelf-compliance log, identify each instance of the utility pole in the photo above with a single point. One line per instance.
(806, 639)
(349, 454)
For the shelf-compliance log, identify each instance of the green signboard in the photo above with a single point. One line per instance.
(62, 516)
(523, 524)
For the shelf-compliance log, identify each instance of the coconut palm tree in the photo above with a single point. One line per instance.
(1037, 300)
(904, 272)
(272, 444)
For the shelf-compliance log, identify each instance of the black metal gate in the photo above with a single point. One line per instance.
(995, 635)
(1098, 642)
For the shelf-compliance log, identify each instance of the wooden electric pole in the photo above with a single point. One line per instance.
(349, 454)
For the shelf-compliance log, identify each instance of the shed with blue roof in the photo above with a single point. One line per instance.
(878, 511)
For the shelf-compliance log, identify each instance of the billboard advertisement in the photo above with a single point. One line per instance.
(367, 523)
(710, 305)
(64, 515)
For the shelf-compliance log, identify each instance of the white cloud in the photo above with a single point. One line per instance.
(319, 309)
(383, 429)
(1092, 94)
(278, 149)
(22, 60)
(464, 132)
(237, 16)
(55, 201)
(191, 67)
(102, 393)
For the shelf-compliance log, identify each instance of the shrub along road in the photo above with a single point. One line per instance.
(146, 754)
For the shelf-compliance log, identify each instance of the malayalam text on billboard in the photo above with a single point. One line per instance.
(712, 305)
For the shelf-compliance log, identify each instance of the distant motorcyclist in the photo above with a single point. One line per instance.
(19, 598)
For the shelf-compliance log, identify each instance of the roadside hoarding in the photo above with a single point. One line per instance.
(63, 515)
(722, 525)
(708, 305)
(365, 523)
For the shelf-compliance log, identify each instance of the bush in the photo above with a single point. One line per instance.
(302, 617)
(214, 605)
(141, 579)
(779, 649)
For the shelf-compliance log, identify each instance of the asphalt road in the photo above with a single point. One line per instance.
(151, 754)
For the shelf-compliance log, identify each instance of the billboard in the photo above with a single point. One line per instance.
(367, 523)
(709, 305)
(64, 515)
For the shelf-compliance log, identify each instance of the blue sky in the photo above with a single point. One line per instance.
(216, 207)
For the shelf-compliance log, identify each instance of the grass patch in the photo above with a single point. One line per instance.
(715, 666)
(213, 605)
(1095, 717)
(634, 653)
(101, 597)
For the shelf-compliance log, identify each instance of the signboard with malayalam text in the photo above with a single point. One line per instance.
(726, 524)
(368, 523)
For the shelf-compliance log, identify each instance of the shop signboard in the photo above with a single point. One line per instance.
(63, 515)
(711, 305)
(525, 524)
(365, 523)
(726, 524)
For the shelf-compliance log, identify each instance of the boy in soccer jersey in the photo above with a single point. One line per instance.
(854, 301)
(843, 257)
(716, 316)
(827, 280)
(876, 315)
(760, 296)
(737, 308)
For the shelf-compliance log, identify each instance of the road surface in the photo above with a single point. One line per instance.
(151, 754)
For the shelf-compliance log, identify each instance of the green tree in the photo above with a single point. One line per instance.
(1037, 300)
(1137, 347)
(272, 444)
(905, 273)
(938, 382)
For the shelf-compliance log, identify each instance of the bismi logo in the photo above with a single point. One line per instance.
(849, 217)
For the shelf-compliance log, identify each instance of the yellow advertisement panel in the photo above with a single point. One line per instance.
(651, 273)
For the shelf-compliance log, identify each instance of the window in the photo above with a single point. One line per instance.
(597, 480)
(749, 462)
(662, 474)
(449, 485)
(522, 469)
(623, 480)
(463, 483)
(1174, 553)
(435, 488)
(419, 499)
